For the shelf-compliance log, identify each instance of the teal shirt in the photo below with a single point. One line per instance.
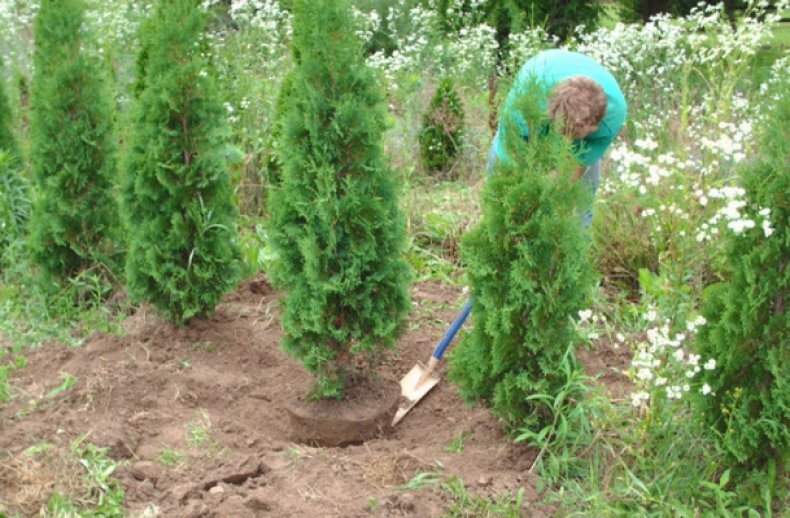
(552, 66)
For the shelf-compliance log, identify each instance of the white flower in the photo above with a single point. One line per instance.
(651, 315)
(678, 355)
(700, 321)
(710, 364)
(638, 397)
(705, 389)
(584, 315)
(619, 337)
(644, 374)
(693, 359)
(767, 228)
(661, 381)
(738, 225)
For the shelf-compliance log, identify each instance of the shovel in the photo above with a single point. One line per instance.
(421, 379)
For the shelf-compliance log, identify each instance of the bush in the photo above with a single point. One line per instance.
(748, 321)
(512, 16)
(442, 128)
(645, 9)
(72, 148)
(334, 222)
(529, 270)
(14, 204)
(7, 141)
(183, 253)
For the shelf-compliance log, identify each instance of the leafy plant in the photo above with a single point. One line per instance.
(576, 418)
(14, 204)
(7, 140)
(442, 128)
(74, 220)
(529, 271)
(744, 406)
(183, 255)
(421, 479)
(334, 224)
(68, 382)
(465, 505)
(509, 17)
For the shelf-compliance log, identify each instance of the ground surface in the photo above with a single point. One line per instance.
(195, 416)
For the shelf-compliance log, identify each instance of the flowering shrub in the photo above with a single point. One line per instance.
(748, 319)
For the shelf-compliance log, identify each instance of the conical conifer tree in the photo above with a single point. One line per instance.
(72, 148)
(442, 128)
(183, 253)
(530, 273)
(744, 400)
(334, 222)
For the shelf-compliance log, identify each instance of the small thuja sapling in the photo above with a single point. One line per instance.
(181, 220)
(334, 220)
(74, 220)
(744, 401)
(530, 273)
(442, 128)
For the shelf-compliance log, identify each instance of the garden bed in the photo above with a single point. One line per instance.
(196, 418)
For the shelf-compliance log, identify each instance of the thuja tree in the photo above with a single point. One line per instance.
(72, 149)
(183, 253)
(529, 271)
(442, 128)
(334, 222)
(745, 402)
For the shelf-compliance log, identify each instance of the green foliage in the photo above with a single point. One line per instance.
(512, 16)
(7, 141)
(72, 150)
(335, 225)
(14, 205)
(442, 128)
(576, 417)
(748, 328)
(645, 9)
(102, 495)
(529, 270)
(183, 254)
(464, 505)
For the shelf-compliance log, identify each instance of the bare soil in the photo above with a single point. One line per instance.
(196, 416)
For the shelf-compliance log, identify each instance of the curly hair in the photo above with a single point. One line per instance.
(577, 105)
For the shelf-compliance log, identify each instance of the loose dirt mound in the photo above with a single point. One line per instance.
(197, 416)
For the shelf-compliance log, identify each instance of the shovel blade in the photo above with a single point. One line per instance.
(412, 392)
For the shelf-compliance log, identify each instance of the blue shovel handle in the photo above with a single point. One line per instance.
(454, 327)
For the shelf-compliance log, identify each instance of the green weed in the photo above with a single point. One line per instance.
(170, 456)
(67, 383)
(456, 445)
(420, 480)
(464, 505)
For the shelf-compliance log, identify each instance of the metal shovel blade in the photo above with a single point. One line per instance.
(413, 392)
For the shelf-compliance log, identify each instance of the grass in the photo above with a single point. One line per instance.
(170, 456)
(456, 445)
(465, 505)
(63, 481)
